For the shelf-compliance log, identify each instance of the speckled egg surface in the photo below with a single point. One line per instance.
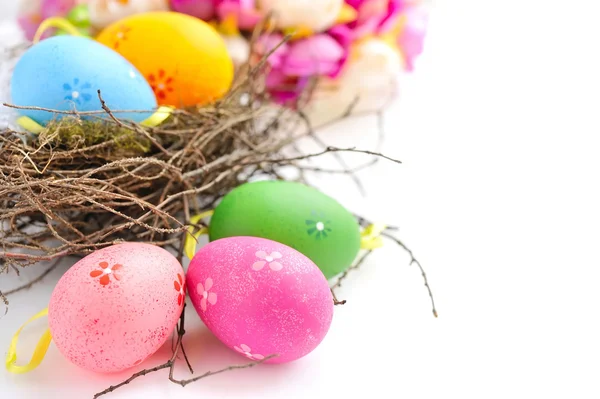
(65, 73)
(117, 306)
(260, 297)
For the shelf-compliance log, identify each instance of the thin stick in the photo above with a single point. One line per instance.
(360, 261)
(4, 300)
(133, 377)
(336, 302)
(337, 156)
(318, 154)
(37, 258)
(183, 383)
(74, 113)
(35, 280)
(416, 262)
(181, 327)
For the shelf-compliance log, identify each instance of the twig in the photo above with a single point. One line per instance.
(37, 258)
(336, 302)
(142, 373)
(73, 112)
(358, 263)
(35, 280)
(416, 262)
(4, 300)
(183, 383)
(341, 161)
(318, 154)
(181, 327)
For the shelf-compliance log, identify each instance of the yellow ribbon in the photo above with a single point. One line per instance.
(161, 114)
(370, 237)
(192, 238)
(38, 353)
(55, 22)
(30, 125)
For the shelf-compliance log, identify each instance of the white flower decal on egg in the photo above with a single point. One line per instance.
(247, 351)
(207, 297)
(268, 259)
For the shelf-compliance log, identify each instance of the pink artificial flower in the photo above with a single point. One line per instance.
(29, 24)
(343, 35)
(313, 56)
(35, 13)
(266, 43)
(57, 8)
(244, 11)
(294, 63)
(375, 16)
(203, 9)
(412, 36)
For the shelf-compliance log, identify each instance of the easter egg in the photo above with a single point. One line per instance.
(293, 214)
(106, 12)
(203, 9)
(183, 58)
(316, 15)
(260, 298)
(117, 306)
(65, 73)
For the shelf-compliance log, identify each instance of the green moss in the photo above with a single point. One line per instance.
(72, 133)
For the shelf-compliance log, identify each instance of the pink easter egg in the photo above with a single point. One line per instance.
(117, 306)
(260, 297)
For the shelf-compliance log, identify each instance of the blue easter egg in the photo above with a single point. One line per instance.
(65, 73)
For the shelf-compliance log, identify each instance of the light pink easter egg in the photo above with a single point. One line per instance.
(260, 297)
(117, 306)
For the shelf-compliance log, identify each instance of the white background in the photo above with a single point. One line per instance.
(498, 196)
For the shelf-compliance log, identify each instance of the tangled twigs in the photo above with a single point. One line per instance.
(170, 364)
(413, 260)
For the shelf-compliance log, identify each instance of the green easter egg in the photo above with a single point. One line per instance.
(293, 214)
(79, 16)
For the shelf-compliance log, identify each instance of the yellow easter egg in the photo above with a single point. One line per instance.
(183, 58)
